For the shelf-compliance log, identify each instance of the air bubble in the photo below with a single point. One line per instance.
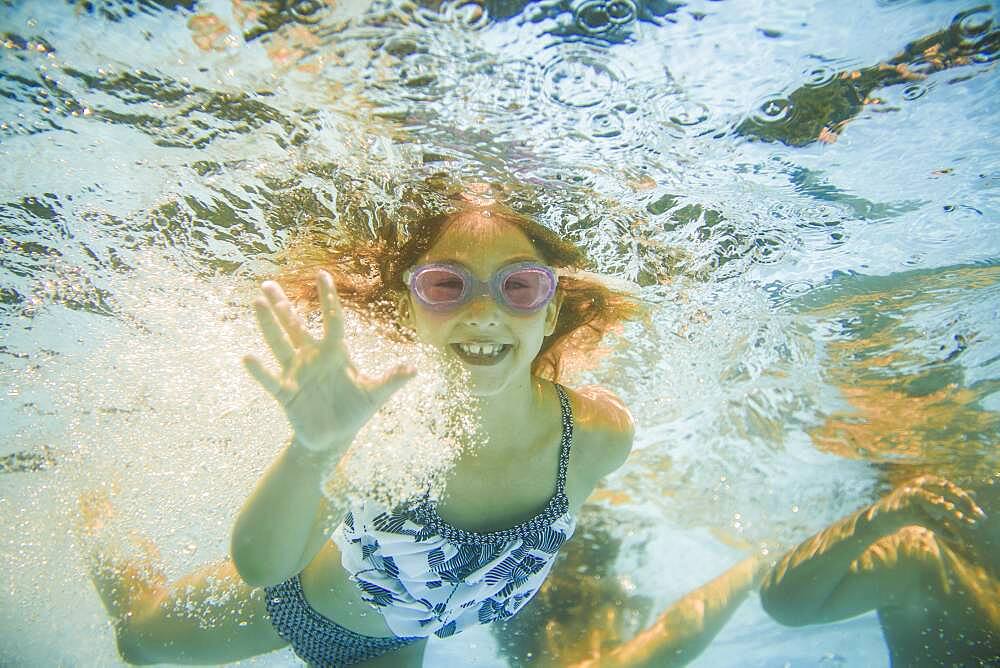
(621, 11)
(690, 114)
(579, 80)
(775, 109)
(819, 76)
(306, 11)
(795, 289)
(769, 247)
(472, 14)
(606, 125)
(599, 16)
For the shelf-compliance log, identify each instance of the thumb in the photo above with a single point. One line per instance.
(386, 385)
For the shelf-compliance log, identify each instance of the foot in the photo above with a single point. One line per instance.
(126, 576)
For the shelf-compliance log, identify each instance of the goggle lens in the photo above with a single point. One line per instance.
(440, 286)
(526, 288)
(520, 288)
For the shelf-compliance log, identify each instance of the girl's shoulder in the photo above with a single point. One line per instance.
(603, 428)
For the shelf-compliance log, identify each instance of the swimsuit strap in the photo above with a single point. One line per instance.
(567, 439)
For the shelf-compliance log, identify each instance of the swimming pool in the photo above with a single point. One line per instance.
(815, 234)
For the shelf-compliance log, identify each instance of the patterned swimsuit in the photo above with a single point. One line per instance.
(426, 576)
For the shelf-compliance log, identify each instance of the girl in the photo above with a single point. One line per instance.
(489, 289)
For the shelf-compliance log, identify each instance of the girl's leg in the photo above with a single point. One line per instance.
(209, 616)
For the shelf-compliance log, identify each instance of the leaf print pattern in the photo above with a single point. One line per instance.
(435, 558)
(546, 540)
(446, 630)
(428, 577)
(467, 560)
(424, 534)
(368, 548)
(375, 594)
(515, 571)
(390, 522)
(388, 566)
(493, 610)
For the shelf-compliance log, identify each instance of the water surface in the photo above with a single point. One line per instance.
(822, 269)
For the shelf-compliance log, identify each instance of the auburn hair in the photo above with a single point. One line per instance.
(368, 272)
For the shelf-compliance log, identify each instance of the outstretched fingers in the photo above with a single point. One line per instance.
(286, 316)
(260, 373)
(333, 314)
(274, 334)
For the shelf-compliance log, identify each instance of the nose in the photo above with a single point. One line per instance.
(481, 311)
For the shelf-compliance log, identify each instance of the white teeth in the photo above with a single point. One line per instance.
(478, 349)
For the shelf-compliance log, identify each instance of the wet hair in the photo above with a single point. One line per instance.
(368, 268)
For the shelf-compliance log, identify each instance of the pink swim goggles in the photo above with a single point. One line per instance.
(522, 287)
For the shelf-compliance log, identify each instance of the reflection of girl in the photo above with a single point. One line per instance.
(489, 289)
(926, 557)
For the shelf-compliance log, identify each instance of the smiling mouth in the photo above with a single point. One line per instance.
(484, 358)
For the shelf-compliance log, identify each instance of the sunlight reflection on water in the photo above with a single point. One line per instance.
(818, 303)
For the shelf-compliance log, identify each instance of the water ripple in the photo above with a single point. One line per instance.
(580, 79)
(773, 109)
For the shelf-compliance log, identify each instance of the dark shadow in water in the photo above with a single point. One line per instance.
(584, 616)
(581, 609)
(606, 21)
(117, 10)
(899, 348)
(27, 460)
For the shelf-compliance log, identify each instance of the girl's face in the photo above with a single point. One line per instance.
(483, 245)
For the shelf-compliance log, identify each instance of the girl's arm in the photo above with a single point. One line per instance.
(327, 401)
(613, 425)
(284, 522)
(854, 566)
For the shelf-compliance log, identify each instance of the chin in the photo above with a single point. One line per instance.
(484, 387)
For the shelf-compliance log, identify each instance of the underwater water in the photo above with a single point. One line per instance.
(805, 194)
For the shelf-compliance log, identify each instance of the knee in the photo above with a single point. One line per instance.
(132, 647)
(132, 654)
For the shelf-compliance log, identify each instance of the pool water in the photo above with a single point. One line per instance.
(807, 204)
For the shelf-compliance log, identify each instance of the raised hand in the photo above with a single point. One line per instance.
(928, 501)
(327, 400)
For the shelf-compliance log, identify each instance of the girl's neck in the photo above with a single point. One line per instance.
(511, 416)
